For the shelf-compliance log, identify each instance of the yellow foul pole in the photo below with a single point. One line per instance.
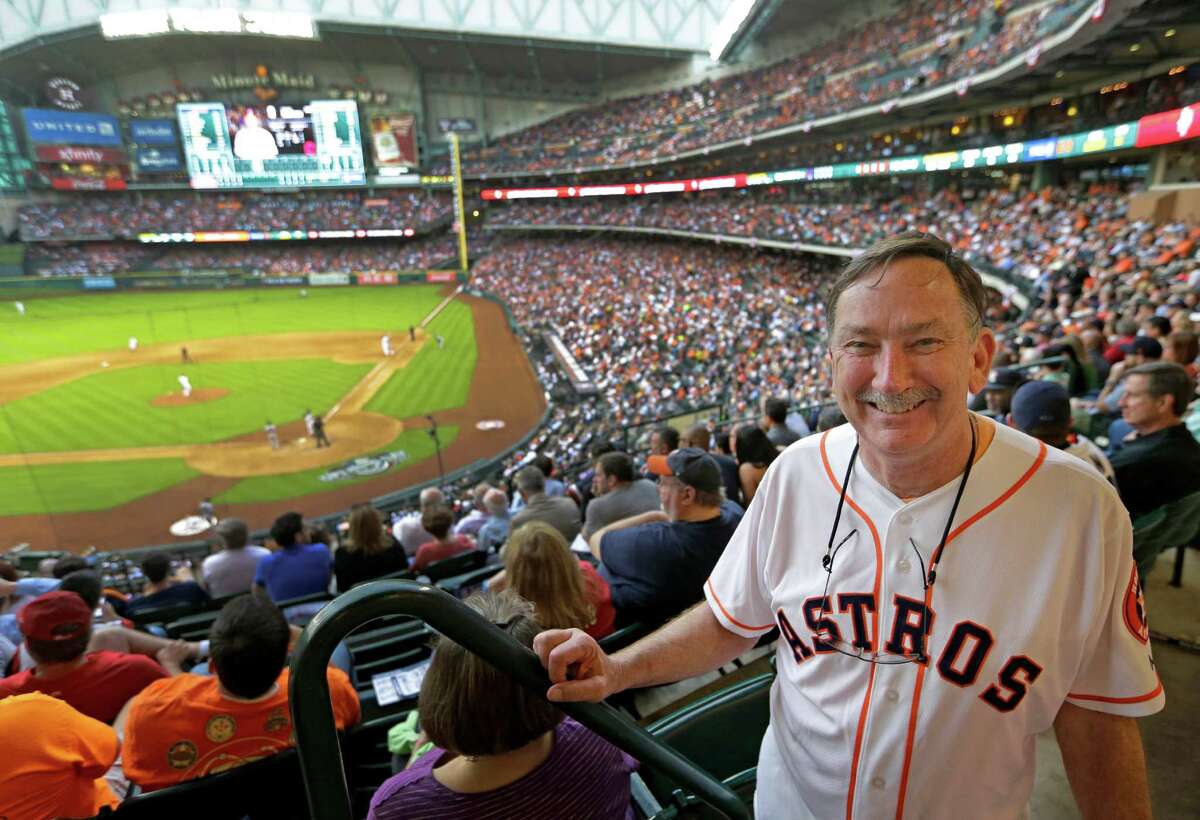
(460, 216)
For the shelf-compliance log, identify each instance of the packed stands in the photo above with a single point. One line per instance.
(123, 216)
(1025, 232)
(921, 45)
(263, 258)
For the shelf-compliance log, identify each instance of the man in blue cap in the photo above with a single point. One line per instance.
(1043, 410)
(656, 563)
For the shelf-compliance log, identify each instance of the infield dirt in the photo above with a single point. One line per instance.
(504, 388)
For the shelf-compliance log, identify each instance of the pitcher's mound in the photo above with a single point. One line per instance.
(198, 396)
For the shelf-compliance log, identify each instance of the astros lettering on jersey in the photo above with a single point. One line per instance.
(1036, 602)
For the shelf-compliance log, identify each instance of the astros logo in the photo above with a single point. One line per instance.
(1135, 610)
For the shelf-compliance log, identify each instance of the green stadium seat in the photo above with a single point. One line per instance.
(1172, 525)
(460, 586)
(721, 734)
(267, 789)
(457, 565)
(192, 627)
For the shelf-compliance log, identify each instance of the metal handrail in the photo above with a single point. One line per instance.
(312, 713)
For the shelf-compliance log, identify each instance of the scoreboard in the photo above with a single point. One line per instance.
(272, 146)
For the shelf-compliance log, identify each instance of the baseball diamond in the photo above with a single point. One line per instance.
(78, 409)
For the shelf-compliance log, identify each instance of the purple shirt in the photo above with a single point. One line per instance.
(584, 778)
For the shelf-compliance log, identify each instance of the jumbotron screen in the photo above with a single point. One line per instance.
(272, 146)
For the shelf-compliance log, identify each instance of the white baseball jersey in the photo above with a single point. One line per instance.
(1035, 603)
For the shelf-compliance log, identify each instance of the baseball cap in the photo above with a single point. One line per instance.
(1150, 348)
(1005, 378)
(692, 466)
(1040, 403)
(55, 616)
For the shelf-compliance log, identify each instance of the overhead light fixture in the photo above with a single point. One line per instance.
(1072, 111)
(728, 28)
(1058, 75)
(1136, 47)
(1169, 33)
(1009, 120)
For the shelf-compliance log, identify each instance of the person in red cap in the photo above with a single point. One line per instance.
(57, 627)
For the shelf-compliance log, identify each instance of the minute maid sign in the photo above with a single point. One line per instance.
(365, 466)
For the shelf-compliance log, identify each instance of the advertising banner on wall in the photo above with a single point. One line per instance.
(377, 278)
(328, 279)
(1169, 126)
(394, 140)
(152, 132)
(157, 160)
(80, 154)
(87, 184)
(47, 127)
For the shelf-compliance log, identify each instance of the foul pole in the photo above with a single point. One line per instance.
(460, 216)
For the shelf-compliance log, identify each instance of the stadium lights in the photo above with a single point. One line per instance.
(727, 29)
(152, 22)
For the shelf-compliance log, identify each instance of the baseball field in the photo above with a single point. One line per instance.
(106, 441)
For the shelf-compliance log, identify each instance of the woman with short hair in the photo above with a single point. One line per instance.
(369, 552)
(501, 749)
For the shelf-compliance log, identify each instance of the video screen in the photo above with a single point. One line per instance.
(272, 146)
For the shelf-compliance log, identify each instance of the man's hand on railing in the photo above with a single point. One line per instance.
(578, 667)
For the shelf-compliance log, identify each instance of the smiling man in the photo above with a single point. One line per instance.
(945, 588)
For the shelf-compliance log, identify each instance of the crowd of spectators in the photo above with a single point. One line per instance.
(1021, 231)
(661, 326)
(125, 215)
(261, 258)
(921, 45)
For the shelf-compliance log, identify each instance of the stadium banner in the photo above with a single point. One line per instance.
(99, 283)
(283, 281)
(45, 126)
(394, 140)
(152, 132)
(79, 154)
(1169, 126)
(87, 184)
(157, 160)
(321, 279)
(440, 275)
(377, 278)
(456, 125)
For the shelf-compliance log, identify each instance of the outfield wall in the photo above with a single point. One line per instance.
(213, 279)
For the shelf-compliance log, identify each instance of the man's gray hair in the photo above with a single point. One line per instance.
(495, 502)
(432, 497)
(878, 257)
(531, 480)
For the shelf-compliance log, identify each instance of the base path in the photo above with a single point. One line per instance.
(504, 389)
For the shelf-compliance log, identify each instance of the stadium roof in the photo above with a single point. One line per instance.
(561, 49)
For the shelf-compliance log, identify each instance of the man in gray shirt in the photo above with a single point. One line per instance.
(560, 513)
(618, 493)
(775, 413)
(231, 571)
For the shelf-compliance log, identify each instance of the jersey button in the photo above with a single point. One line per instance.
(878, 782)
(903, 565)
(892, 695)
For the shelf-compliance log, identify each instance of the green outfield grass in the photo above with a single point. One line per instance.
(416, 443)
(67, 325)
(436, 379)
(61, 488)
(113, 408)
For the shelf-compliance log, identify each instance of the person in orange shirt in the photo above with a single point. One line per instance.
(190, 726)
(54, 761)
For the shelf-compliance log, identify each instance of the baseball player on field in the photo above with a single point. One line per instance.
(945, 587)
(185, 385)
